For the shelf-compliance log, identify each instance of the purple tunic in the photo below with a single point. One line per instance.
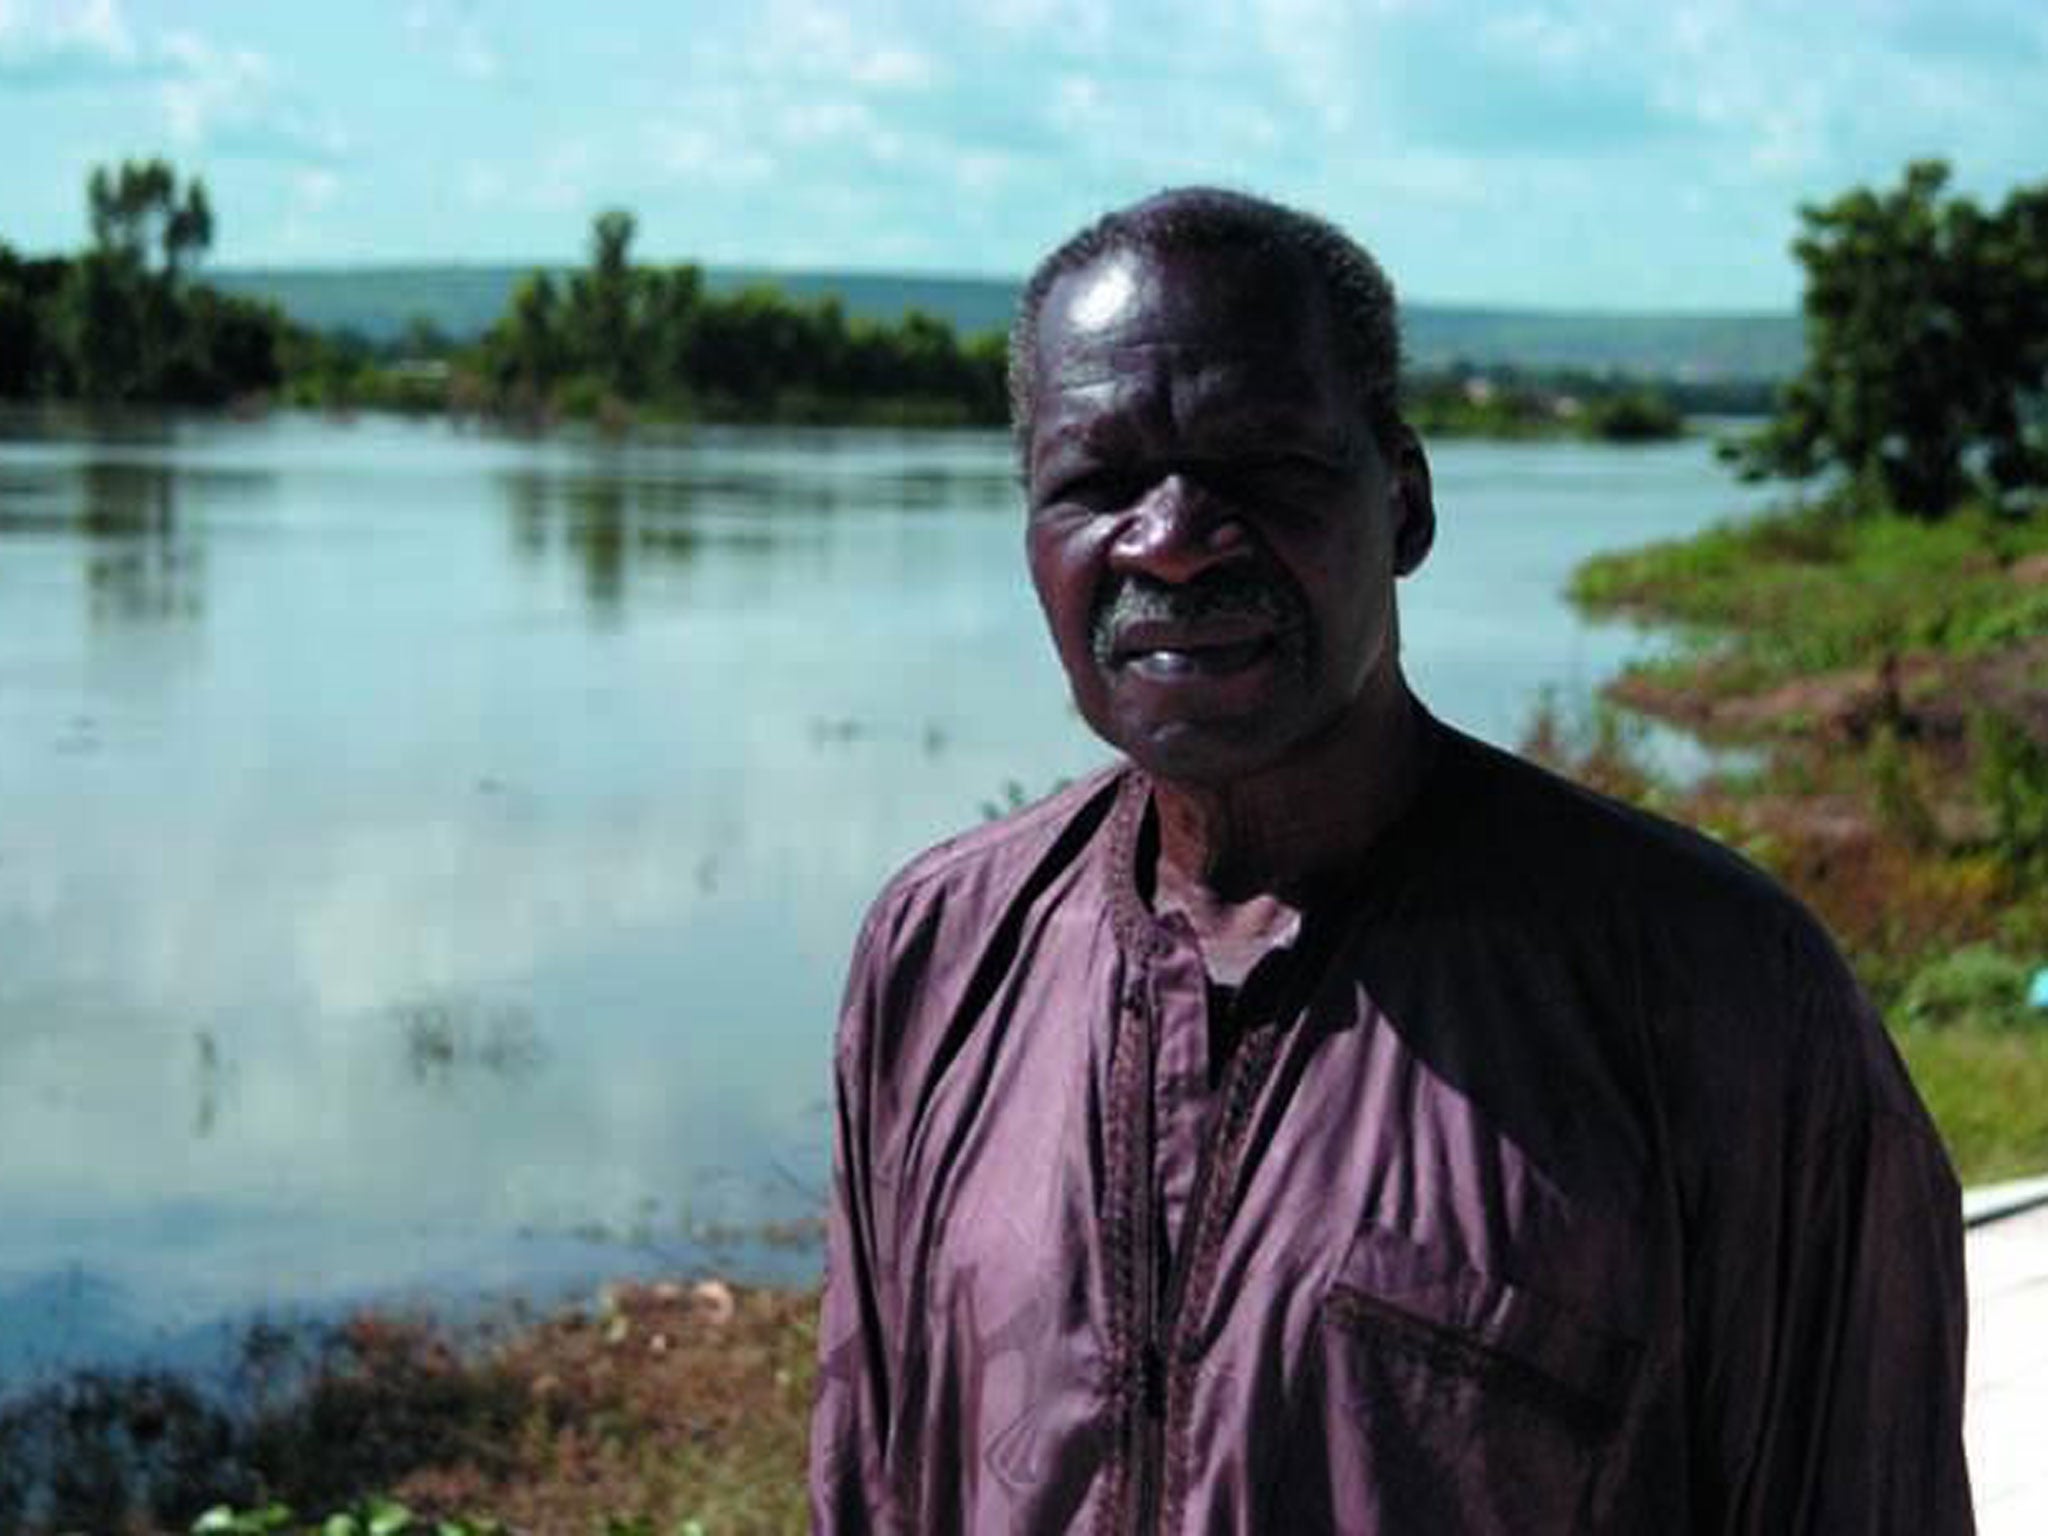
(1554, 1177)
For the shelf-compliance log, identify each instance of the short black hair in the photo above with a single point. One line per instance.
(1215, 218)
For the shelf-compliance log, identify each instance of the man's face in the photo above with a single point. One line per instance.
(1214, 532)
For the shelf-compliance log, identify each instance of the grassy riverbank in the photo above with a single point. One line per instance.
(657, 1410)
(1892, 675)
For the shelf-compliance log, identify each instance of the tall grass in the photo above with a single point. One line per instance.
(1815, 589)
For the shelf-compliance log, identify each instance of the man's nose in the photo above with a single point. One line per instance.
(1179, 530)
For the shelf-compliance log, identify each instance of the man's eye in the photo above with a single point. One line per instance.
(1283, 472)
(1099, 490)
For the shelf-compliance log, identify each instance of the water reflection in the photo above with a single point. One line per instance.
(596, 530)
(605, 525)
(446, 1037)
(144, 562)
(142, 567)
(212, 1076)
(657, 506)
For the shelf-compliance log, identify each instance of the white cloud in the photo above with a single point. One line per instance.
(890, 68)
(1083, 25)
(484, 184)
(456, 33)
(827, 118)
(1322, 54)
(315, 189)
(233, 101)
(1430, 177)
(33, 30)
(209, 85)
(563, 180)
(817, 40)
(302, 231)
(474, 56)
(695, 152)
(983, 171)
(1079, 103)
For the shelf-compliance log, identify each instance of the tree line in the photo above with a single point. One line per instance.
(1925, 385)
(124, 321)
(654, 335)
(1467, 400)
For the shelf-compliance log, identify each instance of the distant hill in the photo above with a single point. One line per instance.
(1693, 347)
(463, 300)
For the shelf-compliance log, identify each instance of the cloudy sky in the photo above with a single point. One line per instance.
(1594, 154)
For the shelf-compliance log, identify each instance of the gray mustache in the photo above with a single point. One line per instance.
(1215, 594)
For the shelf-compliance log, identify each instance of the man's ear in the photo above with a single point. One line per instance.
(1413, 506)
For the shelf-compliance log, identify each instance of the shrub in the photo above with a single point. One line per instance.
(2012, 776)
(1976, 985)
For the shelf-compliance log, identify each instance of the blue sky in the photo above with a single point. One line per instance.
(1609, 154)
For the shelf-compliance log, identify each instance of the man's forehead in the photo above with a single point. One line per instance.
(1231, 341)
(1183, 376)
(1228, 292)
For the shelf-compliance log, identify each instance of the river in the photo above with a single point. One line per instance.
(427, 858)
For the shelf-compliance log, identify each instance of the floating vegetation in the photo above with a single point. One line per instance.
(447, 1035)
(213, 1074)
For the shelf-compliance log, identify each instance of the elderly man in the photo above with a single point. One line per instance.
(1322, 1121)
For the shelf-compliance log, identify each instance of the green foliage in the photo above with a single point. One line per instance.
(373, 1517)
(31, 363)
(1988, 1091)
(1464, 400)
(1634, 416)
(102, 315)
(1815, 589)
(2012, 776)
(136, 212)
(121, 322)
(624, 336)
(1977, 985)
(531, 354)
(602, 304)
(223, 1520)
(1926, 378)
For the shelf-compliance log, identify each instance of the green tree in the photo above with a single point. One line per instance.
(536, 333)
(138, 214)
(673, 297)
(31, 360)
(1634, 416)
(124, 321)
(126, 330)
(601, 304)
(628, 335)
(1926, 376)
(103, 321)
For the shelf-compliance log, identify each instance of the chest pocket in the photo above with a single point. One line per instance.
(1438, 1398)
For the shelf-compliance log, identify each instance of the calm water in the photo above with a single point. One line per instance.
(427, 860)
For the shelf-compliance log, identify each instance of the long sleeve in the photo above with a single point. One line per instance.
(1828, 1334)
(850, 1415)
